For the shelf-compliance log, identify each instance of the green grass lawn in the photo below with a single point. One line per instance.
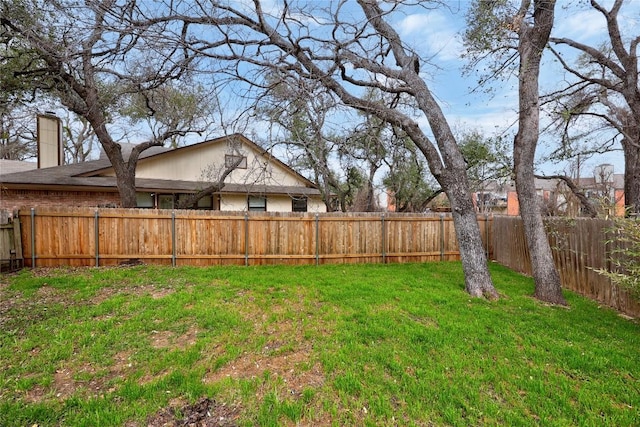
(329, 345)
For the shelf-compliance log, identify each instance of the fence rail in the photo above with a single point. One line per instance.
(579, 248)
(89, 237)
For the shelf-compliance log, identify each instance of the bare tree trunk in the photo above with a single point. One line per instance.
(474, 261)
(125, 170)
(632, 177)
(532, 41)
(355, 58)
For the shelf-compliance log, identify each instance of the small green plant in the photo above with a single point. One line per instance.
(625, 255)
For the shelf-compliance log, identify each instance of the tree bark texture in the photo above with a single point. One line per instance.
(632, 177)
(532, 41)
(472, 254)
(444, 159)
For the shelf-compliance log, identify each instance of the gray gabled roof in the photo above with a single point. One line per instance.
(83, 176)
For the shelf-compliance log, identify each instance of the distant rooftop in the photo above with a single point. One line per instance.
(11, 166)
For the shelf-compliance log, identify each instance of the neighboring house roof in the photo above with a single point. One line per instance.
(617, 182)
(98, 174)
(12, 166)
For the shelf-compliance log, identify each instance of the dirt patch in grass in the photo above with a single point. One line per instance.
(153, 291)
(286, 353)
(296, 368)
(205, 412)
(68, 380)
(168, 339)
(36, 394)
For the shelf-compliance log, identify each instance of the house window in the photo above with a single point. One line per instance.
(206, 202)
(230, 160)
(299, 204)
(144, 200)
(257, 203)
(165, 201)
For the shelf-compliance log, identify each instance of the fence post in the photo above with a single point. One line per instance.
(384, 240)
(317, 239)
(441, 237)
(173, 238)
(33, 238)
(246, 238)
(96, 227)
(486, 234)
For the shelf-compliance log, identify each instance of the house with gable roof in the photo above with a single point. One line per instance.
(164, 176)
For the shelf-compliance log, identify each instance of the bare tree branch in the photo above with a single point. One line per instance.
(584, 201)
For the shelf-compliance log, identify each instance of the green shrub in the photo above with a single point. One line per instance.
(625, 255)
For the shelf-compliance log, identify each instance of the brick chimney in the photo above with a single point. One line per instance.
(49, 138)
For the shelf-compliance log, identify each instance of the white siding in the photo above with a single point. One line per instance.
(275, 203)
(205, 162)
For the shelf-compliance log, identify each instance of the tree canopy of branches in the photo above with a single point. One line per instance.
(17, 136)
(604, 92)
(349, 49)
(88, 57)
(301, 108)
(489, 159)
(408, 179)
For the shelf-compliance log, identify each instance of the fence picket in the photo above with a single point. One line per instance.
(86, 236)
(579, 248)
(89, 236)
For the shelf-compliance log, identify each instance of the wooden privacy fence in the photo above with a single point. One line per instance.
(90, 237)
(579, 248)
(10, 243)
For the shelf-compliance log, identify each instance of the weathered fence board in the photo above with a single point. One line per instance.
(579, 248)
(10, 243)
(90, 237)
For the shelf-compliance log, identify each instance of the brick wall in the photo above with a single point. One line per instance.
(12, 200)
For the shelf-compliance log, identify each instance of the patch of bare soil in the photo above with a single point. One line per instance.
(108, 292)
(293, 367)
(66, 380)
(286, 354)
(205, 412)
(168, 339)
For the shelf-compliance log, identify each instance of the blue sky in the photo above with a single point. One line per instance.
(437, 33)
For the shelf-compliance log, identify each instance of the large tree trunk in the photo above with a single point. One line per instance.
(477, 279)
(532, 41)
(545, 274)
(127, 190)
(125, 170)
(631, 177)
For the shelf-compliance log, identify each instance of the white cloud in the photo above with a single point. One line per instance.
(413, 24)
(581, 26)
(433, 34)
